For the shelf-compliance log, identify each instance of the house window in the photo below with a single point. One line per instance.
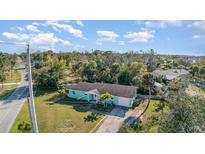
(73, 92)
(85, 94)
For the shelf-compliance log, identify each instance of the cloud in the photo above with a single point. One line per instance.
(66, 27)
(139, 36)
(32, 28)
(199, 25)
(47, 38)
(37, 39)
(163, 24)
(20, 28)
(107, 36)
(197, 36)
(79, 22)
(17, 36)
(36, 23)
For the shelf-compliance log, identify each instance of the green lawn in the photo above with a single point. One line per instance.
(150, 121)
(6, 91)
(59, 116)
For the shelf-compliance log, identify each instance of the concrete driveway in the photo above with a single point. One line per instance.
(114, 121)
(10, 108)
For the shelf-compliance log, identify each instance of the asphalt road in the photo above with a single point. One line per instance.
(10, 108)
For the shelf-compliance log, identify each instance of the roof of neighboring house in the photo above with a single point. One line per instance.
(170, 74)
(114, 89)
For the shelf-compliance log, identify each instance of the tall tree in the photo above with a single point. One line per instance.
(89, 71)
(124, 77)
(12, 63)
(51, 74)
(3, 67)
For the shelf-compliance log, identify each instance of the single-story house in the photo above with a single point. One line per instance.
(90, 92)
(171, 74)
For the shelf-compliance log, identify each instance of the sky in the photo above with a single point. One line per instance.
(165, 37)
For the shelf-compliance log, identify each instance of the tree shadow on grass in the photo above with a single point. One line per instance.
(79, 106)
(92, 117)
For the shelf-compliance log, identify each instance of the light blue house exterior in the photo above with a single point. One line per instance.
(93, 95)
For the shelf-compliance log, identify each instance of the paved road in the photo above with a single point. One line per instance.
(10, 108)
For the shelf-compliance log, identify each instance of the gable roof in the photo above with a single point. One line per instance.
(114, 89)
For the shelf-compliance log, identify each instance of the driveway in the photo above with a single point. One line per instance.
(114, 121)
(10, 108)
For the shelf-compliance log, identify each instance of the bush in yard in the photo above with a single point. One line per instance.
(62, 92)
(24, 127)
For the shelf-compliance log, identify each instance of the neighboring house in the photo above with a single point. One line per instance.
(90, 92)
(171, 74)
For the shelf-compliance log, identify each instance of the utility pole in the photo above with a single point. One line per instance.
(31, 99)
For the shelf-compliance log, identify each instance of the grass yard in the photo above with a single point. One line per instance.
(150, 119)
(6, 91)
(56, 116)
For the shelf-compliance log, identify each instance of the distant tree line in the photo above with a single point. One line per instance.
(7, 64)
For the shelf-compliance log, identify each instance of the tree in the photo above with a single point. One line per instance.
(2, 77)
(114, 71)
(89, 71)
(148, 82)
(202, 73)
(187, 115)
(3, 67)
(12, 63)
(105, 98)
(51, 74)
(124, 77)
(137, 69)
(151, 61)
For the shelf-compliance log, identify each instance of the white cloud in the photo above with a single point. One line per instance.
(163, 24)
(107, 36)
(56, 29)
(37, 39)
(70, 29)
(32, 28)
(47, 38)
(139, 36)
(196, 36)
(36, 24)
(20, 28)
(200, 25)
(17, 36)
(79, 22)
